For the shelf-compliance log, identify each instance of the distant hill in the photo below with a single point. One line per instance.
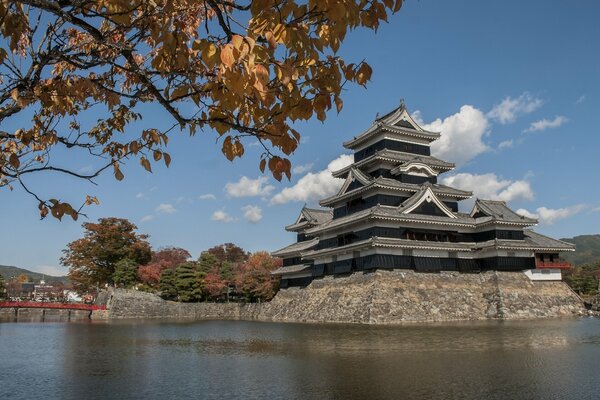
(586, 252)
(8, 271)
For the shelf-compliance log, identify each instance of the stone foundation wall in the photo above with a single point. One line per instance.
(381, 297)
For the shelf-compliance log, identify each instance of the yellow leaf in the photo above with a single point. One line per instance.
(14, 161)
(167, 159)
(339, 104)
(157, 155)
(209, 55)
(227, 55)
(237, 41)
(146, 164)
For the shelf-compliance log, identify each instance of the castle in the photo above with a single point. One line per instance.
(391, 213)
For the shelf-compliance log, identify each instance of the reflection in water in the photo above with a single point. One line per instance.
(223, 359)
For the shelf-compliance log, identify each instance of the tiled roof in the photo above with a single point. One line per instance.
(291, 269)
(392, 242)
(394, 213)
(295, 248)
(385, 124)
(387, 183)
(396, 157)
(389, 212)
(312, 217)
(318, 216)
(499, 210)
(544, 241)
(533, 241)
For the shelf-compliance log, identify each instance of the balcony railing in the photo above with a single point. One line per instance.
(560, 264)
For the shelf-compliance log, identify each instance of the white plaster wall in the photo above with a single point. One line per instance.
(544, 274)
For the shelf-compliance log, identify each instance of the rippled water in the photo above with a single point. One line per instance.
(553, 359)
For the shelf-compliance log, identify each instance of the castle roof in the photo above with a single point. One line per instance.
(498, 210)
(310, 217)
(392, 184)
(397, 121)
(295, 248)
(533, 241)
(395, 157)
(376, 241)
(391, 213)
(292, 269)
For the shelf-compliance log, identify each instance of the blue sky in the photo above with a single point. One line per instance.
(513, 86)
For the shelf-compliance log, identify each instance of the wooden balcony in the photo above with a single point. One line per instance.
(560, 264)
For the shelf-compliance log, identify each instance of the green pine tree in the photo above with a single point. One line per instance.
(226, 271)
(125, 274)
(207, 262)
(2, 288)
(188, 282)
(167, 285)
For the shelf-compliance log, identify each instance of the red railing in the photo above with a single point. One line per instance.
(552, 264)
(62, 306)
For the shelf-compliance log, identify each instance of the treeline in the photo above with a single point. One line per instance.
(584, 279)
(111, 253)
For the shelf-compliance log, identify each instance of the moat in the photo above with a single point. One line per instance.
(540, 359)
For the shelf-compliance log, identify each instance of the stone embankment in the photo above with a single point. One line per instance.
(381, 297)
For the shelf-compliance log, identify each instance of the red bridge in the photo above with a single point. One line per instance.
(61, 306)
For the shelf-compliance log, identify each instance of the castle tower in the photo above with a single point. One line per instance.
(391, 213)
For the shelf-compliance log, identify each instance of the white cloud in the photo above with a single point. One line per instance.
(247, 187)
(462, 135)
(300, 169)
(581, 99)
(509, 109)
(147, 218)
(315, 185)
(222, 216)
(207, 196)
(252, 213)
(165, 208)
(507, 144)
(544, 124)
(549, 215)
(490, 187)
(139, 195)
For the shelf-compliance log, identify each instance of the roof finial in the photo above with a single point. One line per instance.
(402, 102)
(377, 115)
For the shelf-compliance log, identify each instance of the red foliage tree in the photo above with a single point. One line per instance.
(253, 279)
(167, 258)
(215, 287)
(229, 252)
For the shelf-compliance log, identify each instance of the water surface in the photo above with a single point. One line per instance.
(551, 359)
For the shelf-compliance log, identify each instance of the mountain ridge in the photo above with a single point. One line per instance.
(7, 271)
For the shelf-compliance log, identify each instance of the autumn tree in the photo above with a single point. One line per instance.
(214, 286)
(168, 289)
(167, 258)
(76, 74)
(22, 278)
(228, 252)
(93, 258)
(253, 279)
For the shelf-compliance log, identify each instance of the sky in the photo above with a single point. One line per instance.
(512, 86)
